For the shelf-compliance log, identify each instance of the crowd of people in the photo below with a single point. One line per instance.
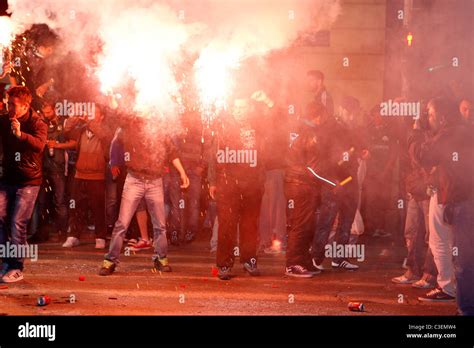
(257, 180)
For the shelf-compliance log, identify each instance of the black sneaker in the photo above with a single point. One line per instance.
(345, 265)
(436, 295)
(224, 273)
(313, 268)
(162, 264)
(108, 267)
(298, 272)
(251, 269)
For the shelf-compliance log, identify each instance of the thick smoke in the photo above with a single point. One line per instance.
(145, 43)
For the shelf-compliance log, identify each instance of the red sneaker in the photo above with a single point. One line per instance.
(141, 245)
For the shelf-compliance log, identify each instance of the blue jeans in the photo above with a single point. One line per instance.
(185, 218)
(342, 201)
(420, 260)
(16, 206)
(134, 190)
(463, 224)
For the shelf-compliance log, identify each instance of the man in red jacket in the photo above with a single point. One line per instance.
(92, 139)
(23, 136)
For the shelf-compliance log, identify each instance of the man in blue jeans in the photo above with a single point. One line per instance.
(146, 154)
(23, 136)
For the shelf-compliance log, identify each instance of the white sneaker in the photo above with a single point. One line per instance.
(405, 279)
(71, 242)
(345, 265)
(12, 276)
(423, 284)
(99, 243)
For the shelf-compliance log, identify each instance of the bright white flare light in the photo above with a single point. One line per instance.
(213, 76)
(6, 31)
(141, 51)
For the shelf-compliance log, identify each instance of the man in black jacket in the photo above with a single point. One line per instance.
(236, 183)
(23, 135)
(301, 188)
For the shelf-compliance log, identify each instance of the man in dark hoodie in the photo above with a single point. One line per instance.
(236, 182)
(340, 148)
(451, 151)
(23, 136)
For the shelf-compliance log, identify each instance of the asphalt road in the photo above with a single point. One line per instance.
(192, 289)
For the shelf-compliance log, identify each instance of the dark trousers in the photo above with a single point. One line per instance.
(185, 205)
(87, 194)
(342, 201)
(302, 203)
(238, 203)
(54, 185)
(463, 232)
(377, 203)
(16, 206)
